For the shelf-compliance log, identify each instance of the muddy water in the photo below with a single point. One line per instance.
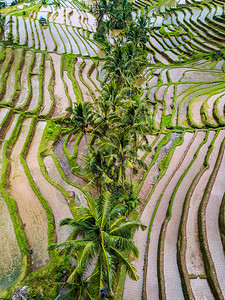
(22, 31)
(29, 33)
(82, 47)
(30, 209)
(59, 94)
(65, 40)
(24, 78)
(69, 87)
(88, 64)
(10, 83)
(59, 43)
(37, 64)
(194, 259)
(48, 39)
(35, 92)
(84, 90)
(65, 165)
(56, 177)
(93, 76)
(36, 43)
(170, 246)
(47, 101)
(10, 262)
(41, 39)
(8, 53)
(14, 25)
(73, 42)
(52, 195)
(3, 112)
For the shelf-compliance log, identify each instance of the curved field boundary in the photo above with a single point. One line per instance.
(134, 288)
(56, 202)
(30, 36)
(164, 288)
(189, 254)
(49, 40)
(47, 83)
(218, 110)
(31, 212)
(11, 88)
(60, 98)
(17, 223)
(150, 284)
(4, 68)
(25, 89)
(208, 262)
(10, 250)
(212, 229)
(159, 198)
(149, 178)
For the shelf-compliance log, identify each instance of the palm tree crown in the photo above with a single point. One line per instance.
(105, 236)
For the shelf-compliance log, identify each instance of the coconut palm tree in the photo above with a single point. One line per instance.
(124, 63)
(2, 4)
(135, 119)
(137, 33)
(95, 169)
(106, 237)
(2, 24)
(100, 10)
(80, 119)
(119, 154)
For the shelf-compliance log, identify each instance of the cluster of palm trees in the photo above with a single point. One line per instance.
(118, 121)
(111, 14)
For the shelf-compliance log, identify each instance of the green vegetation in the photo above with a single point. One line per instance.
(106, 237)
(160, 80)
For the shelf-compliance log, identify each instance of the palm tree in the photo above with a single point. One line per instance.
(2, 4)
(124, 63)
(80, 120)
(106, 236)
(120, 13)
(119, 154)
(95, 169)
(100, 10)
(137, 33)
(135, 119)
(2, 24)
(106, 109)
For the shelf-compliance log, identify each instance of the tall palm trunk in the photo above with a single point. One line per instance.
(85, 136)
(131, 178)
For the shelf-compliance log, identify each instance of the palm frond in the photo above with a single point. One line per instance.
(125, 229)
(130, 268)
(75, 244)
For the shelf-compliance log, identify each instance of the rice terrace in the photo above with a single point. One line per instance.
(112, 149)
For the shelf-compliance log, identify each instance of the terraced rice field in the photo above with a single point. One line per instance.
(43, 70)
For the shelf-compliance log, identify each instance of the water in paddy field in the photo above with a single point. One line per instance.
(8, 2)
